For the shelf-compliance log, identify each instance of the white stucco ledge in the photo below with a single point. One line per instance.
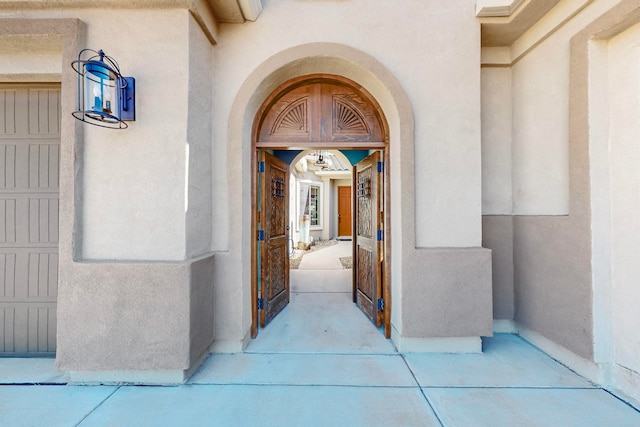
(496, 8)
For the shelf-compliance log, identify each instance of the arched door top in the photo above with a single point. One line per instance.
(320, 111)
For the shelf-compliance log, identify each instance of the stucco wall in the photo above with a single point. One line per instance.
(497, 129)
(135, 316)
(551, 255)
(135, 197)
(134, 181)
(123, 197)
(448, 136)
(573, 102)
(497, 232)
(199, 198)
(624, 168)
(446, 142)
(31, 58)
(540, 130)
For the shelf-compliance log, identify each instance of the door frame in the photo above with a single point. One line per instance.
(344, 145)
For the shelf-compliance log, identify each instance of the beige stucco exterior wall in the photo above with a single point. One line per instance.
(497, 126)
(623, 165)
(131, 278)
(446, 218)
(124, 217)
(199, 198)
(143, 207)
(540, 130)
(134, 199)
(31, 58)
(293, 42)
(574, 90)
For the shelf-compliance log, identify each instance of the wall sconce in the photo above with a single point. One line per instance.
(105, 97)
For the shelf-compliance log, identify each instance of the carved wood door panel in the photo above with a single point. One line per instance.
(367, 185)
(273, 206)
(321, 113)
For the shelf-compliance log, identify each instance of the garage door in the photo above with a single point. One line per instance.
(29, 194)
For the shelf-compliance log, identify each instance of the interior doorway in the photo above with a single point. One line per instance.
(344, 212)
(321, 112)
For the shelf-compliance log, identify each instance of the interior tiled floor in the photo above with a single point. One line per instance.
(321, 363)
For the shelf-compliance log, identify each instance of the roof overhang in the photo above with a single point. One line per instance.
(236, 11)
(504, 21)
(208, 13)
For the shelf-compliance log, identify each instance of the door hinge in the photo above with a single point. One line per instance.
(380, 235)
(380, 167)
(260, 304)
(261, 235)
(260, 167)
(380, 304)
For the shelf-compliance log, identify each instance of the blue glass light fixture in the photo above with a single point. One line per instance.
(105, 97)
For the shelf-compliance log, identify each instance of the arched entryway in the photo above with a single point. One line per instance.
(328, 112)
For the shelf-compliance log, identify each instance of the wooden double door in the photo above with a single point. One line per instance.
(273, 237)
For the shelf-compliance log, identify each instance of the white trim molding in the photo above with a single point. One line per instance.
(250, 9)
(497, 8)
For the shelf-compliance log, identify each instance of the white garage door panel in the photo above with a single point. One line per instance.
(29, 208)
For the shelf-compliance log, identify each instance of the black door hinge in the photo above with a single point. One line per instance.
(380, 304)
(260, 304)
(261, 235)
(380, 235)
(380, 167)
(260, 167)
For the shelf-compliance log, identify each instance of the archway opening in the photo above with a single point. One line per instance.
(321, 117)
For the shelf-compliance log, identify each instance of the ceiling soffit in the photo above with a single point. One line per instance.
(208, 13)
(504, 21)
(236, 11)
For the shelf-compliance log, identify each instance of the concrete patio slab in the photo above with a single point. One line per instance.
(507, 361)
(305, 369)
(29, 370)
(211, 405)
(321, 323)
(320, 280)
(322, 363)
(50, 406)
(490, 407)
(326, 258)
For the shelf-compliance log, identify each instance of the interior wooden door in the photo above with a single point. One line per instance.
(273, 206)
(367, 182)
(344, 211)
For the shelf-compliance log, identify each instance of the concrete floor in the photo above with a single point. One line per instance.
(321, 363)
